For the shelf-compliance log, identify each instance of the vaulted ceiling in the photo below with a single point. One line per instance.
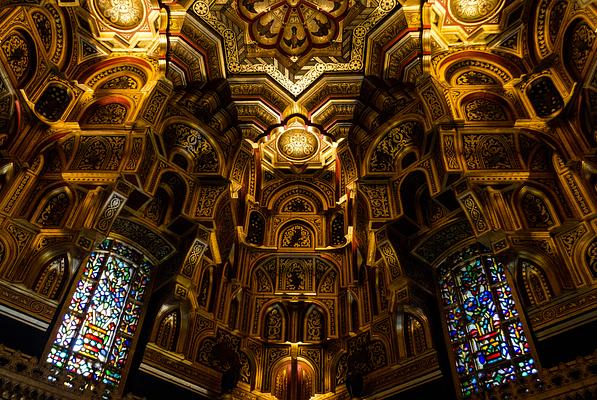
(297, 168)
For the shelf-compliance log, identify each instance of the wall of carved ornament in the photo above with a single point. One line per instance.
(492, 145)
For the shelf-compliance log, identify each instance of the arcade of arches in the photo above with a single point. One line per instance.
(298, 199)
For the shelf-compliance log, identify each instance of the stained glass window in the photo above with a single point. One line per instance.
(99, 325)
(486, 335)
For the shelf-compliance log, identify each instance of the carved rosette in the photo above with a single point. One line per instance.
(122, 14)
(298, 144)
(474, 11)
(293, 27)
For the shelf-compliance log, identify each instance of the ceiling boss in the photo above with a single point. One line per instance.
(124, 14)
(470, 11)
(293, 27)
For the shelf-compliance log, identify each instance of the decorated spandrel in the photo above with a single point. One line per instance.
(488, 340)
(98, 329)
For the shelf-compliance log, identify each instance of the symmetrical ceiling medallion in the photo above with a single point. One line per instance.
(471, 11)
(294, 41)
(123, 14)
(293, 27)
(297, 143)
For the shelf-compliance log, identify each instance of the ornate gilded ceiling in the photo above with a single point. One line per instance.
(293, 42)
(295, 160)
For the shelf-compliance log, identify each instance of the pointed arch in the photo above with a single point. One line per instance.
(482, 321)
(264, 277)
(168, 331)
(579, 48)
(413, 190)
(314, 325)
(54, 208)
(535, 209)
(256, 228)
(415, 337)
(52, 278)
(337, 235)
(275, 324)
(207, 289)
(536, 285)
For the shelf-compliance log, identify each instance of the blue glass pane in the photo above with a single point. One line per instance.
(487, 337)
(105, 306)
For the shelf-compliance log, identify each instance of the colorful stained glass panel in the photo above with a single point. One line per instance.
(97, 332)
(488, 340)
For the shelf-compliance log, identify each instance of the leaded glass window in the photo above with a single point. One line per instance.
(486, 335)
(98, 327)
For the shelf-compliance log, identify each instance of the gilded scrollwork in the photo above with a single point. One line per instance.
(20, 53)
(108, 114)
(482, 109)
(580, 39)
(296, 236)
(472, 11)
(402, 137)
(204, 154)
(123, 14)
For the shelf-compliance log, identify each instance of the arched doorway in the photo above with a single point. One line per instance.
(293, 380)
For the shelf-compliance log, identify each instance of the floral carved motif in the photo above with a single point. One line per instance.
(108, 114)
(484, 110)
(296, 236)
(473, 77)
(581, 39)
(54, 211)
(19, 54)
(44, 28)
(273, 325)
(297, 144)
(195, 143)
(377, 196)
(536, 212)
(471, 11)
(293, 26)
(99, 153)
(124, 14)
(315, 325)
(403, 136)
(489, 152)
